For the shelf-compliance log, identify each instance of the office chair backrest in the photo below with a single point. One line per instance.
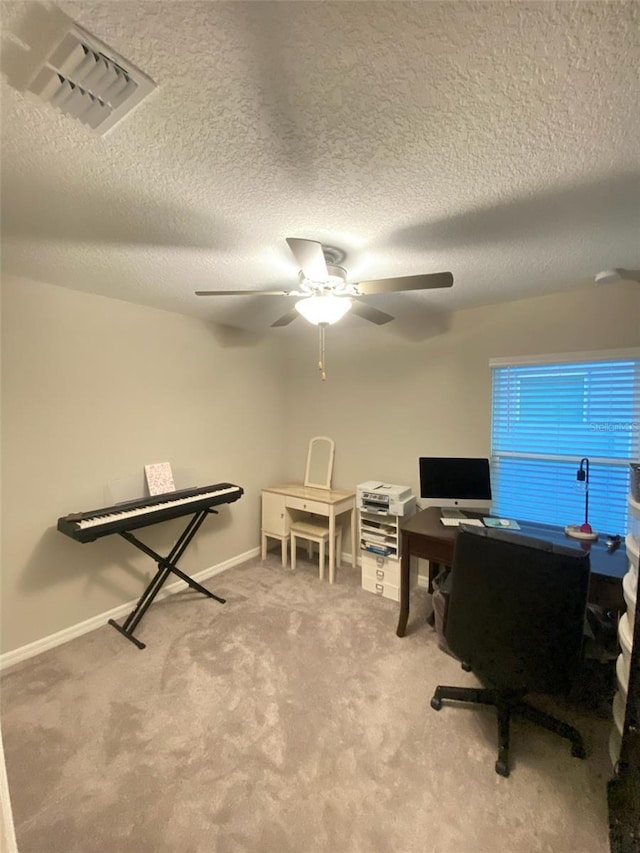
(516, 609)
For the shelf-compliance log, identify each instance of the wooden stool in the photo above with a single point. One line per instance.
(318, 532)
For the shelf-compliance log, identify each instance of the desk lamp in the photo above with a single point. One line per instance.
(584, 530)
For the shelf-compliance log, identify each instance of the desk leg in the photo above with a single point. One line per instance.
(332, 546)
(405, 582)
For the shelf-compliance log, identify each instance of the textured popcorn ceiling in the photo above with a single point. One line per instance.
(500, 141)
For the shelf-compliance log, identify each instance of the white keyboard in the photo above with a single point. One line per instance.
(456, 522)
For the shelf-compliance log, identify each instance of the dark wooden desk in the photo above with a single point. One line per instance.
(425, 536)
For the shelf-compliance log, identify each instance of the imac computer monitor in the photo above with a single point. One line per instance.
(455, 482)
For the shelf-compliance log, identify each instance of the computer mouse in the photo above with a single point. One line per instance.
(504, 522)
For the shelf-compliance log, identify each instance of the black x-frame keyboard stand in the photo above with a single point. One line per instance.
(166, 566)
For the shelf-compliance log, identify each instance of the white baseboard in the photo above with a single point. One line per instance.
(23, 653)
(32, 649)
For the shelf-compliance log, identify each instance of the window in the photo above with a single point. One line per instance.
(547, 414)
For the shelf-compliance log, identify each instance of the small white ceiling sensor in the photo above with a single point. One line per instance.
(608, 276)
(87, 80)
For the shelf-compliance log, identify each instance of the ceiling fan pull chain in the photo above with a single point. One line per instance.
(321, 328)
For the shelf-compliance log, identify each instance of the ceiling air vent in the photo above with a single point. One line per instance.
(87, 80)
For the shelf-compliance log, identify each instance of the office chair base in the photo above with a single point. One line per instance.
(506, 706)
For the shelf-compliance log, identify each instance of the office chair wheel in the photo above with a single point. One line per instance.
(466, 666)
(578, 751)
(502, 768)
(436, 703)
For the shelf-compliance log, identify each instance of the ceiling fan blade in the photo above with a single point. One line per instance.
(287, 318)
(245, 293)
(428, 281)
(310, 258)
(368, 312)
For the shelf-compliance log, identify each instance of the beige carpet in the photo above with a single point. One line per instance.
(290, 720)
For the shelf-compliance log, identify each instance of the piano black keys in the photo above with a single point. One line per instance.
(91, 525)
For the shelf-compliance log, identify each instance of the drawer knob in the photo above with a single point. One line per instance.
(380, 574)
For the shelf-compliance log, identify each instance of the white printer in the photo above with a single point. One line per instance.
(374, 496)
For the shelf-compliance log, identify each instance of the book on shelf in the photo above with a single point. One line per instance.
(374, 548)
(378, 525)
(375, 535)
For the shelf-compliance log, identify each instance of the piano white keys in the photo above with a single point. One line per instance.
(125, 517)
(98, 520)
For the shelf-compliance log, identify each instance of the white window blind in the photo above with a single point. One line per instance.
(545, 418)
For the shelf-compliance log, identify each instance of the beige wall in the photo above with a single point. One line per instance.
(387, 401)
(93, 389)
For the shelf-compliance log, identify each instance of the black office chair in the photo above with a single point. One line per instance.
(515, 617)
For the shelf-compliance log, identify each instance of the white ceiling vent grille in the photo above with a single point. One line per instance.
(87, 80)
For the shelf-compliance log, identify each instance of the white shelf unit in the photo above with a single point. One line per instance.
(380, 551)
(626, 631)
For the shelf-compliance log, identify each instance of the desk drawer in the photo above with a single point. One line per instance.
(385, 589)
(308, 506)
(381, 570)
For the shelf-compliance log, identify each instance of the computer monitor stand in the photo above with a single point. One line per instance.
(451, 512)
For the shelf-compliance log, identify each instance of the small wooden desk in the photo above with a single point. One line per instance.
(282, 503)
(425, 536)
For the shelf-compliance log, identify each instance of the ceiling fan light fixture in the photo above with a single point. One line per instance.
(324, 308)
(334, 281)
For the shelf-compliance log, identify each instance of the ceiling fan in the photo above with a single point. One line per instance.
(326, 295)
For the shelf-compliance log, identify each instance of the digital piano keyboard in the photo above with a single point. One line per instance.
(88, 526)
